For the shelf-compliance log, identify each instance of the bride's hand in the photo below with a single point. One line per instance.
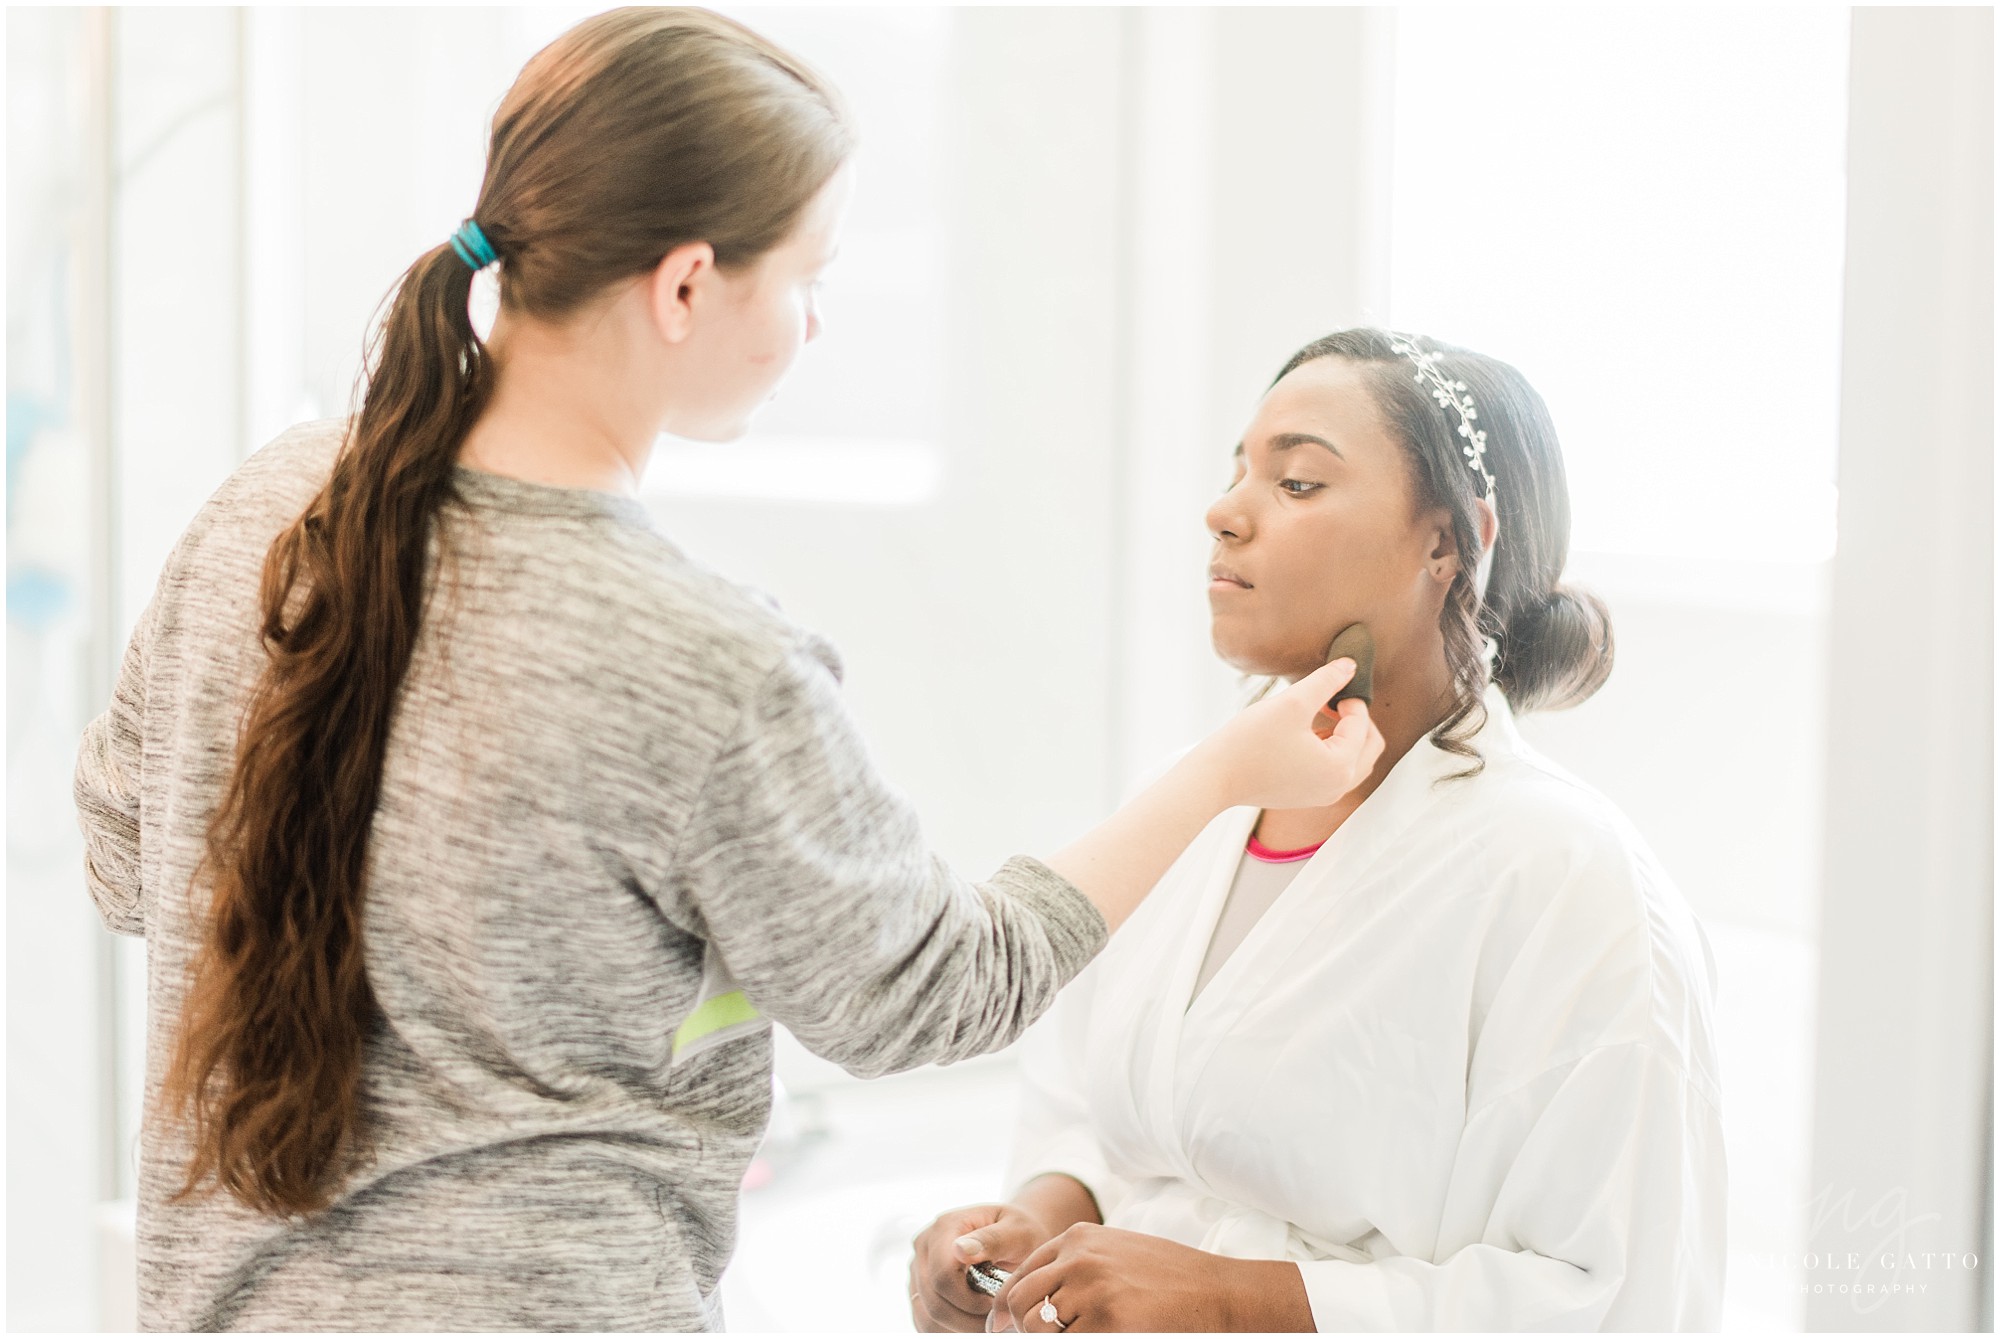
(1270, 756)
(940, 1297)
(1106, 1278)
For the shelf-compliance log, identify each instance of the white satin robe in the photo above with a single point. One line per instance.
(1463, 1070)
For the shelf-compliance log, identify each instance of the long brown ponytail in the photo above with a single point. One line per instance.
(634, 132)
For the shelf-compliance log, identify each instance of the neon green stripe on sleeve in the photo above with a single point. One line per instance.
(712, 1016)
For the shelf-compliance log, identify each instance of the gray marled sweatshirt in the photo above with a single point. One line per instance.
(624, 815)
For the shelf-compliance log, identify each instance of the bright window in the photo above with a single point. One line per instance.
(1644, 213)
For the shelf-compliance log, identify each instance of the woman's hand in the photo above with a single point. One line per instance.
(1001, 1234)
(1105, 1278)
(1271, 756)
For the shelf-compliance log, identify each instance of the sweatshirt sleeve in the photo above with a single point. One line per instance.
(107, 789)
(811, 878)
(1602, 1183)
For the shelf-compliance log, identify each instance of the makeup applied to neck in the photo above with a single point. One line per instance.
(1409, 703)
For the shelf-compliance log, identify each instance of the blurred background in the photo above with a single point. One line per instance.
(1745, 253)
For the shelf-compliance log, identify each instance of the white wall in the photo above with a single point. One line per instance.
(54, 1010)
(1902, 1149)
(141, 106)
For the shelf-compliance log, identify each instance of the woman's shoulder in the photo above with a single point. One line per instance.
(1576, 878)
(211, 575)
(1528, 803)
(272, 486)
(640, 593)
(1562, 837)
(678, 611)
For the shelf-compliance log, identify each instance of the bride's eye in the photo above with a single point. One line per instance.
(1299, 487)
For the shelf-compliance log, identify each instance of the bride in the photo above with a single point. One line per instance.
(1437, 1057)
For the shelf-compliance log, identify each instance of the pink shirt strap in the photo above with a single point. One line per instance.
(1259, 851)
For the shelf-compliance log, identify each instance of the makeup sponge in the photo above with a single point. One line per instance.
(1355, 640)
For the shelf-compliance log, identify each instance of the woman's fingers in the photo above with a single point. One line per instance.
(925, 1317)
(952, 1227)
(1319, 687)
(1044, 1285)
(920, 1315)
(1354, 725)
(1038, 1259)
(1003, 1242)
(952, 1303)
(1265, 758)
(938, 1274)
(1038, 1279)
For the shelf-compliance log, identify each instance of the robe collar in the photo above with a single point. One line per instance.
(1421, 772)
(1416, 787)
(1145, 1076)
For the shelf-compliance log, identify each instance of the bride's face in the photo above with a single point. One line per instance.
(1320, 529)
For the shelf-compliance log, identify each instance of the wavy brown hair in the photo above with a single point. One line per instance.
(634, 132)
(1555, 642)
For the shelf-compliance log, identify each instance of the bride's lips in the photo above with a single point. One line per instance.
(1221, 578)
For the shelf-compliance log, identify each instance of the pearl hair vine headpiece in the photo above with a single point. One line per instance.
(1450, 394)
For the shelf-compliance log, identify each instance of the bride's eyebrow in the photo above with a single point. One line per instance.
(1285, 441)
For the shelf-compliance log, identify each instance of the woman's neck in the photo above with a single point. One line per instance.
(560, 414)
(1405, 709)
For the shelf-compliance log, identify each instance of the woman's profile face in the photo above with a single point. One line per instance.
(755, 321)
(1319, 530)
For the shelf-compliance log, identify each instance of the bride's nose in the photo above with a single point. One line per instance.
(1227, 519)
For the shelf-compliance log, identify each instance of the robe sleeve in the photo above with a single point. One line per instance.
(1056, 1133)
(1606, 1181)
(106, 788)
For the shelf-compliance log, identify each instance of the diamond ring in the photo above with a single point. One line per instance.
(1048, 1313)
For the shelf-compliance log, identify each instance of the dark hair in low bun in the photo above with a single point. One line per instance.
(1555, 641)
(1557, 652)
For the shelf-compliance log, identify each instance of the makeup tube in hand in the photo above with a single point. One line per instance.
(986, 1278)
(1354, 640)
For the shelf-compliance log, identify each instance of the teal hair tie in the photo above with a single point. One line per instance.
(472, 246)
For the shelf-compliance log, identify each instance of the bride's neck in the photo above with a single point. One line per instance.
(1405, 709)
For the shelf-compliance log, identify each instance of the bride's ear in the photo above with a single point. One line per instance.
(1443, 562)
(1441, 547)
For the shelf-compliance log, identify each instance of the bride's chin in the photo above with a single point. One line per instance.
(1257, 660)
(1260, 666)
(1236, 658)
